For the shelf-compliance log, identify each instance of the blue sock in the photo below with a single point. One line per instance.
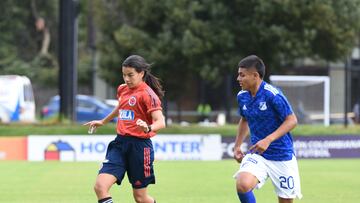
(247, 197)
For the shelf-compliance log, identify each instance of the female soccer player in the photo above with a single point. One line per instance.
(139, 117)
(266, 111)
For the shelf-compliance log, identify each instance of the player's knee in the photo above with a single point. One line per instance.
(139, 198)
(142, 197)
(243, 186)
(245, 182)
(100, 188)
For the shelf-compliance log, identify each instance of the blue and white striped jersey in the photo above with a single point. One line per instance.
(265, 113)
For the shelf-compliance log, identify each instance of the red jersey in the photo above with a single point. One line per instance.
(136, 103)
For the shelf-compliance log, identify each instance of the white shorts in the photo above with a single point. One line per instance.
(283, 174)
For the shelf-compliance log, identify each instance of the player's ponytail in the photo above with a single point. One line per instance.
(154, 83)
(139, 63)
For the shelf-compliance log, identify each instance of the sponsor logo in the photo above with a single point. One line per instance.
(132, 101)
(252, 160)
(59, 150)
(262, 106)
(67, 148)
(126, 114)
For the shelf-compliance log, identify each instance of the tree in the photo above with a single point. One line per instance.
(206, 38)
(29, 41)
(26, 28)
(283, 30)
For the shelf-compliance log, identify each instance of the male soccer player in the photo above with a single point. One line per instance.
(266, 111)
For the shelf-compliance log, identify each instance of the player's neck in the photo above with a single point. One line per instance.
(255, 88)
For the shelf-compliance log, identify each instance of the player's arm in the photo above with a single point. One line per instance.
(96, 123)
(289, 123)
(158, 122)
(114, 113)
(243, 130)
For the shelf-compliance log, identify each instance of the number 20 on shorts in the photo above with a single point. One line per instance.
(286, 183)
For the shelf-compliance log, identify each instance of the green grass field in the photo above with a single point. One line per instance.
(323, 181)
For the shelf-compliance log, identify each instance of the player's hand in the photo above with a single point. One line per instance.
(238, 154)
(93, 125)
(260, 146)
(142, 124)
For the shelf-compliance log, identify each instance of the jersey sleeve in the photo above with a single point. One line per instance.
(240, 111)
(119, 90)
(152, 101)
(281, 106)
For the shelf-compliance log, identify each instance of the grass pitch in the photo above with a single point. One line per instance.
(323, 181)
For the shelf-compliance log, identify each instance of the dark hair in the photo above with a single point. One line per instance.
(253, 61)
(139, 64)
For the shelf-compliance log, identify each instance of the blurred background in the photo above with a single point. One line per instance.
(60, 66)
(73, 47)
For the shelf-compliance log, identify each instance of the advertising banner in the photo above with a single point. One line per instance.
(187, 147)
(13, 148)
(228, 146)
(168, 147)
(345, 146)
(93, 148)
(341, 146)
(68, 148)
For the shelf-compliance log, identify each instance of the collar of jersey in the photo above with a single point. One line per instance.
(259, 90)
(142, 85)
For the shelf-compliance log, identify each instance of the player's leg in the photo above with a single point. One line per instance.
(284, 200)
(245, 183)
(140, 169)
(252, 174)
(141, 196)
(285, 178)
(102, 186)
(112, 171)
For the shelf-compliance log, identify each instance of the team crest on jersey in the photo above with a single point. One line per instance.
(262, 106)
(132, 101)
(126, 115)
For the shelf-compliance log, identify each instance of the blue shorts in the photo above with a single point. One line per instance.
(132, 155)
